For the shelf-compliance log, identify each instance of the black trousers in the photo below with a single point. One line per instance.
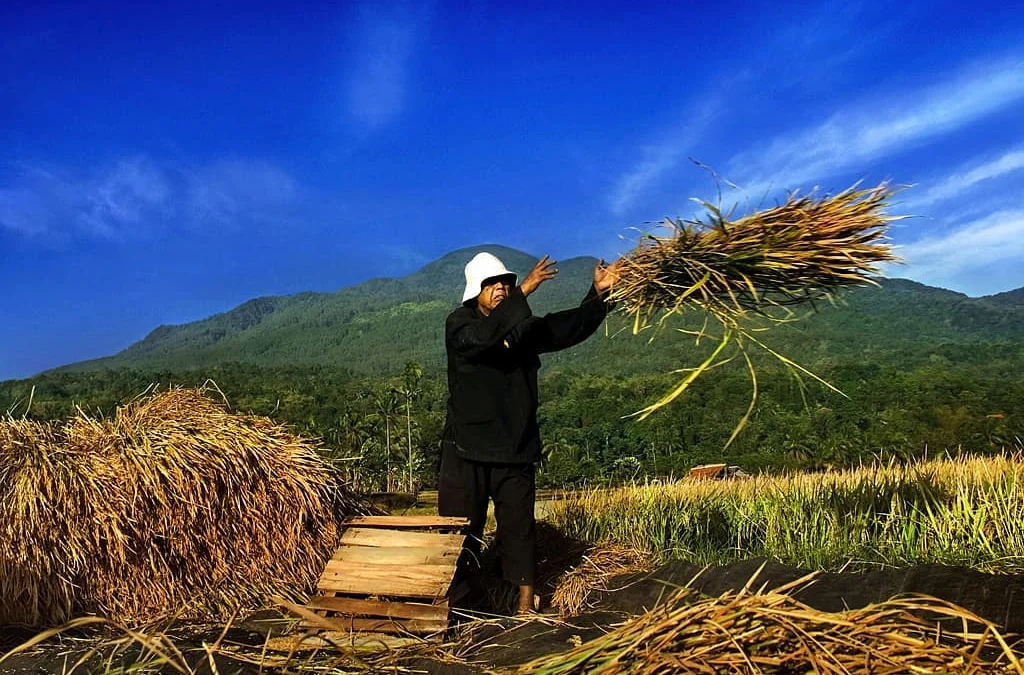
(465, 487)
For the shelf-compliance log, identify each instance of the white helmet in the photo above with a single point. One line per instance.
(482, 267)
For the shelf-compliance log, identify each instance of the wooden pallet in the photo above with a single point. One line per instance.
(391, 574)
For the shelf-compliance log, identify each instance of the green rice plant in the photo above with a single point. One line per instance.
(949, 511)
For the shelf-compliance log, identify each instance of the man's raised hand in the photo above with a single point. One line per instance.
(605, 275)
(544, 269)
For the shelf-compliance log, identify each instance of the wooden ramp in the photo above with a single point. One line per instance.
(390, 575)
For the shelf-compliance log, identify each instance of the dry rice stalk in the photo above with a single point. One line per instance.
(754, 268)
(599, 566)
(773, 633)
(96, 645)
(174, 506)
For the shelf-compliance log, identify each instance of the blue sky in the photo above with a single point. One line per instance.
(159, 165)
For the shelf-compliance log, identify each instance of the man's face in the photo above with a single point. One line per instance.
(492, 293)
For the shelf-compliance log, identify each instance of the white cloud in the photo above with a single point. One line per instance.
(32, 205)
(227, 189)
(880, 126)
(132, 193)
(965, 256)
(658, 158)
(656, 161)
(137, 196)
(967, 177)
(108, 203)
(381, 58)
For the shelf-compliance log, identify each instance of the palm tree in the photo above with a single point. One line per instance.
(354, 432)
(386, 403)
(410, 389)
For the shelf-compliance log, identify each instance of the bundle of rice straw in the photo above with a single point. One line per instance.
(756, 267)
(597, 568)
(173, 507)
(772, 633)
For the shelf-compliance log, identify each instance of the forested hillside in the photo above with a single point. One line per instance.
(922, 369)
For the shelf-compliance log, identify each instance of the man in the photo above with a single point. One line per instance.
(491, 442)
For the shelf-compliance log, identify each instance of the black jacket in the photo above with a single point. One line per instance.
(492, 373)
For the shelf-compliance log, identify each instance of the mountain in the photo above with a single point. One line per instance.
(376, 326)
(379, 325)
(1014, 298)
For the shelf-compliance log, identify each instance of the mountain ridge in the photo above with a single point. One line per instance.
(380, 324)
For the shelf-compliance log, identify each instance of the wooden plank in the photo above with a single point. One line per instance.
(412, 522)
(367, 571)
(436, 572)
(418, 580)
(406, 555)
(380, 608)
(357, 536)
(400, 626)
(390, 585)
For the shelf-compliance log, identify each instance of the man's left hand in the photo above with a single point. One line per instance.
(605, 275)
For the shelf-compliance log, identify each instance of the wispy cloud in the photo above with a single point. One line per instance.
(122, 198)
(658, 158)
(127, 197)
(228, 189)
(968, 251)
(968, 177)
(881, 126)
(383, 47)
(137, 196)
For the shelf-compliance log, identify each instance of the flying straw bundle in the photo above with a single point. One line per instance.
(756, 267)
(789, 254)
(772, 633)
(174, 506)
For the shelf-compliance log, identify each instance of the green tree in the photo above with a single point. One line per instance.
(386, 408)
(411, 390)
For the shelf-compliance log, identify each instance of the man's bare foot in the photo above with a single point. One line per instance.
(528, 600)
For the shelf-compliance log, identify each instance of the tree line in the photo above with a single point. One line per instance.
(384, 431)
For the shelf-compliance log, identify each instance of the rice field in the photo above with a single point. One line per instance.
(952, 511)
(178, 507)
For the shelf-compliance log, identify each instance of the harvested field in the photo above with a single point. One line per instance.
(489, 647)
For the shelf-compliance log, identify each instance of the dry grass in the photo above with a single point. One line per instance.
(174, 506)
(793, 253)
(95, 645)
(596, 569)
(740, 273)
(771, 632)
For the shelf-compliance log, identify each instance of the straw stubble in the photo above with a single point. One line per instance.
(771, 633)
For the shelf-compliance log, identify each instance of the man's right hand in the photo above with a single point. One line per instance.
(544, 269)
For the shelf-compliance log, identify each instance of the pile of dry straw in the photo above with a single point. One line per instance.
(771, 633)
(173, 507)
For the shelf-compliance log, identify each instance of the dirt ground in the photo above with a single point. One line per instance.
(998, 598)
(490, 646)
